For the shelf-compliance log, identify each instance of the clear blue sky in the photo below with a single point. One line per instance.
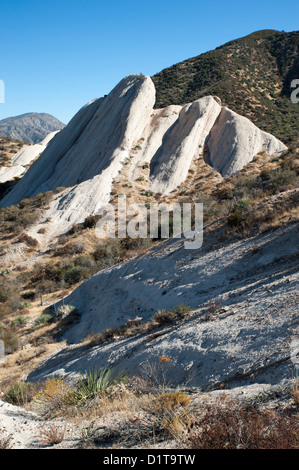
(58, 55)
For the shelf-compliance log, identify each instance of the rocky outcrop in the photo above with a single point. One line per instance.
(91, 150)
(23, 158)
(234, 140)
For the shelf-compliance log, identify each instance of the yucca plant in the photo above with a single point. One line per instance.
(96, 382)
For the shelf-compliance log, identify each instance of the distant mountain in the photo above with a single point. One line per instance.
(252, 76)
(30, 127)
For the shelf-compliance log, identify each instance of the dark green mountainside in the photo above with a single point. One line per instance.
(251, 75)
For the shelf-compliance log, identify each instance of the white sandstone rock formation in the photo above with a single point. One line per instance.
(91, 150)
(9, 172)
(234, 140)
(23, 158)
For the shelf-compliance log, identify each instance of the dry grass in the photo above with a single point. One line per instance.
(232, 425)
(6, 442)
(295, 392)
(51, 435)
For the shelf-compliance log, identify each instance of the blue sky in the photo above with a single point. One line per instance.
(56, 56)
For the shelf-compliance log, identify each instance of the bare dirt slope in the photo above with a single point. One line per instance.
(244, 301)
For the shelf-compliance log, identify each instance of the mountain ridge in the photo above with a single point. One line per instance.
(30, 127)
(251, 75)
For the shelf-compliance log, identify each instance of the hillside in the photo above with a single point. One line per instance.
(29, 127)
(196, 332)
(251, 75)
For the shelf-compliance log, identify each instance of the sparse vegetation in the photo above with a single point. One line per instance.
(21, 393)
(250, 75)
(43, 318)
(15, 219)
(6, 441)
(231, 425)
(94, 383)
(51, 435)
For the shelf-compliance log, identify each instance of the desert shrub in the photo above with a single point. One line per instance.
(172, 400)
(21, 320)
(9, 336)
(147, 193)
(51, 435)
(28, 295)
(273, 180)
(43, 318)
(168, 316)
(22, 393)
(7, 291)
(76, 228)
(24, 305)
(242, 204)
(171, 413)
(52, 396)
(66, 315)
(295, 392)
(16, 218)
(129, 243)
(234, 219)
(91, 221)
(108, 251)
(73, 275)
(5, 310)
(6, 441)
(72, 248)
(182, 309)
(68, 270)
(231, 425)
(164, 316)
(30, 241)
(94, 383)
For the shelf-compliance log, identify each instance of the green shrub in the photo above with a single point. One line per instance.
(21, 320)
(21, 394)
(242, 204)
(43, 318)
(168, 316)
(95, 382)
(24, 305)
(147, 193)
(73, 275)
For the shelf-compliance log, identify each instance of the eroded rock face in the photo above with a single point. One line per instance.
(234, 140)
(23, 158)
(182, 143)
(91, 150)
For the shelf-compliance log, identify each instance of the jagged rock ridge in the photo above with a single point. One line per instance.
(91, 150)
